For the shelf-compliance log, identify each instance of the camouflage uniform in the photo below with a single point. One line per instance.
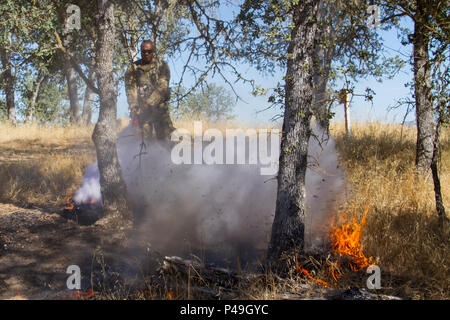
(148, 93)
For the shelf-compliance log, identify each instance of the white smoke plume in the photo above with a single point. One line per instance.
(220, 212)
(90, 189)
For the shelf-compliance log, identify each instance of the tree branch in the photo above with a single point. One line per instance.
(75, 65)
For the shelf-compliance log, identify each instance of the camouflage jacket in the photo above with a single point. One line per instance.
(147, 84)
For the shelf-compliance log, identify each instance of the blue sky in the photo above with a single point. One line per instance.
(250, 109)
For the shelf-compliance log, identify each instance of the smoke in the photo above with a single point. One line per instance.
(90, 189)
(218, 212)
(325, 187)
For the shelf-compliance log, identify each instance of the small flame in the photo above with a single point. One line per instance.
(170, 295)
(335, 266)
(70, 205)
(18, 297)
(318, 281)
(77, 294)
(346, 240)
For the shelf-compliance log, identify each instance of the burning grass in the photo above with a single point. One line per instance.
(389, 220)
(401, 228)
(346, 241)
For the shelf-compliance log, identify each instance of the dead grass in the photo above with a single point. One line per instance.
(41, 166)
(188, 124)
(44, 134)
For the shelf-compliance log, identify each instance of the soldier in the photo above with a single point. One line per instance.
(148, 93)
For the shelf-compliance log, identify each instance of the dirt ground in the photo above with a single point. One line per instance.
(37, 247)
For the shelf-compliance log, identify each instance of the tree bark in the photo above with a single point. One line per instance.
(323, 56)
(320, 81)
(73, 91)
(289, 222)
(88, 99)
(116, 211)
(422, 85)
(436, 181)
(9, 81)
(34, 95)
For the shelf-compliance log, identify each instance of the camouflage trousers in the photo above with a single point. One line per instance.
(156, 122)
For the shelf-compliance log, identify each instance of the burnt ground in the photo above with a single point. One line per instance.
(36, 247)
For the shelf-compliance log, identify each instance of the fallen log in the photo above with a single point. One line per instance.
(212, 282)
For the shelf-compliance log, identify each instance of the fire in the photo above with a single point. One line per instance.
(335, 266)
(77, 294)
(70, 205)
(170, 295)
(346, 240)
(318, 281)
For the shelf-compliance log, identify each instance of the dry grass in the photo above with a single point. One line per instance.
(43, 134)
(41, 166)
(188, 124)
(402, 229)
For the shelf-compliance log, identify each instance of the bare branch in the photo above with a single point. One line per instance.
(75, 65)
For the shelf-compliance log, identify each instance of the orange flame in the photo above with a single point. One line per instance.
(318, 281)
(77, 294)
(170, 295)
(346, 240)
(70, 205)
(335, 266)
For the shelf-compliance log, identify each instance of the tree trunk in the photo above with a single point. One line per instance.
(320, 81)
(73, 92)
(9, 81)
(422, 85)
(32, 106)
(88, 99)
(289, 222)
(116, 209)
(437, 182)
(323, 56)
